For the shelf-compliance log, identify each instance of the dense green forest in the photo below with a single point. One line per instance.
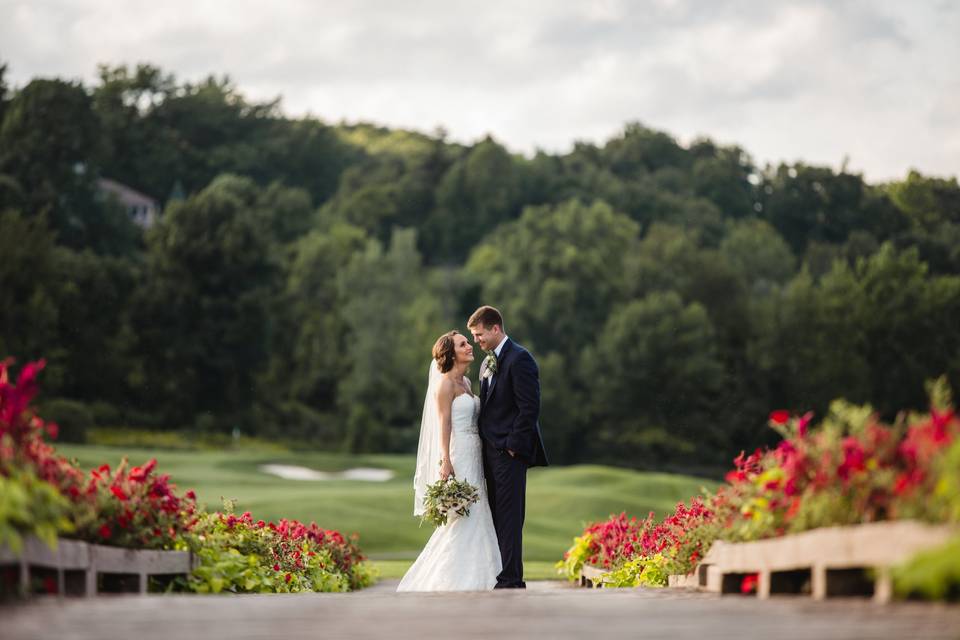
(672, 294)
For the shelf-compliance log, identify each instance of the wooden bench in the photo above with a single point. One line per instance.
(830, 560)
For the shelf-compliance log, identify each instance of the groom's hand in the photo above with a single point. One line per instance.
(513, 454)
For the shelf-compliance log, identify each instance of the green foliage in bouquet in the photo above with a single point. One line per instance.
(30, 505)
(445, 497)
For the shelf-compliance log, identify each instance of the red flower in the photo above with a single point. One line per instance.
(854, 458)
(749, 584)
(780, 417)
(287, 578)
(191, 495)
(118, 492)
(105, 532)
(276, 567)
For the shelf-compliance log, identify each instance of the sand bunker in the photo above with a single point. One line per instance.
(293, 472)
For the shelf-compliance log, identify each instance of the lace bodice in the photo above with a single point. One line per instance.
(464, 414)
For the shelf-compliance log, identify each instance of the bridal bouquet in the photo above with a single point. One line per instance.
(448, 499)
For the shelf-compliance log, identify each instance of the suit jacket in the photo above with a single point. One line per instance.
(510, 409)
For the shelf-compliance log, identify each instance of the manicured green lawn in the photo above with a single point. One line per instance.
(560, 500)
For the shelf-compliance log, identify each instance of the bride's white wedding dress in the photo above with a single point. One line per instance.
(462, 555)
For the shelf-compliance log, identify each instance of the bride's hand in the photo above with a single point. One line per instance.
(446, 469)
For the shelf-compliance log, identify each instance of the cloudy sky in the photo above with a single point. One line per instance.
(875, 80)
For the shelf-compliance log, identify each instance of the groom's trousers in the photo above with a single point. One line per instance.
(507, 490)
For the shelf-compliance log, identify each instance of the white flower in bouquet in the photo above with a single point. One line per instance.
(447, 500)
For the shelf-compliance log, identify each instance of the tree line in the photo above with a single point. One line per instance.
(673, 294)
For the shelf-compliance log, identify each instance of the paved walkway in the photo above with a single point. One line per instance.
(545, 610)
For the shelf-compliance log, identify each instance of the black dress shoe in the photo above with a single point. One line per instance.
(519, 585)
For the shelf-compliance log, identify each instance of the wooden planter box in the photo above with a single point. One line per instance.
(591, 577)
(91, 560)
(142, 562)
(691, 581)
(852, 560)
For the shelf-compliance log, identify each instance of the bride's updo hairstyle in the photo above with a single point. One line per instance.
(444, 351)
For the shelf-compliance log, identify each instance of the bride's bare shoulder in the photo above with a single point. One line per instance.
(447, 387)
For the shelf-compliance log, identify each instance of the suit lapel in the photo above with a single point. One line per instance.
(500, 360)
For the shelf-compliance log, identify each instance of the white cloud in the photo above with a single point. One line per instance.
(814, 80)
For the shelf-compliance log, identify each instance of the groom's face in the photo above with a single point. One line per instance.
(487, 337)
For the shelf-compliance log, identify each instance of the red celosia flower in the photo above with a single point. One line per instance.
(276, 567)
(105, 532)
(780, 417)
(854, 458)
(803, 423)
(118, 492)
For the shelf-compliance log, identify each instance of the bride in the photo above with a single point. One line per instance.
(462, 555)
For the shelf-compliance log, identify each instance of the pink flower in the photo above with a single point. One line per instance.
(803, 423)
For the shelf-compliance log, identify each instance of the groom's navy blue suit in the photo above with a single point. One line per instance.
(509, 420)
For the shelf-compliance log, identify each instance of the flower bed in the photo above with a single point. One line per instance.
(849, 470)
(46, 495)
(239, 554)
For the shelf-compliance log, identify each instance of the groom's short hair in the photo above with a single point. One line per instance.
(487, 316)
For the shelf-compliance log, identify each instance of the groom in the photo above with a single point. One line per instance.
(510, 429)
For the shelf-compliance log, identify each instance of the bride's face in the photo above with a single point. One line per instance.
(463, 349)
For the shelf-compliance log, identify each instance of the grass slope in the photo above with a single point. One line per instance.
(560, 500)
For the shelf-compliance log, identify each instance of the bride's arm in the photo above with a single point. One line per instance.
(444, 407)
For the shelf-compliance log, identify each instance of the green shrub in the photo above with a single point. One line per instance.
(650, 571)
(239, 555)
(72, 417)
(175, 440)
(104, 413)
(932, 575)
(30, 505)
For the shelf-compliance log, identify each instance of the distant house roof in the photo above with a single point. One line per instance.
(126, 195)
(143, 209)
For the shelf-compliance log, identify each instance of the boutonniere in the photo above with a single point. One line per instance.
(489, 366)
